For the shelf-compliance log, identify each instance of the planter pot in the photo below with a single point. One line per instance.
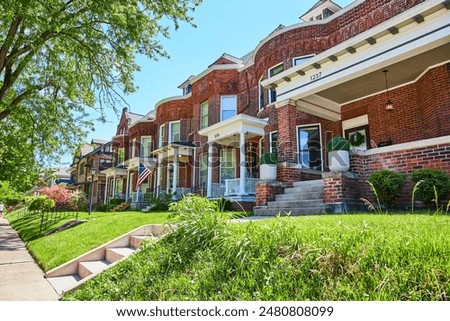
(339, 160)
(268, 172)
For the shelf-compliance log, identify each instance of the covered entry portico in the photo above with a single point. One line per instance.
(233, 132)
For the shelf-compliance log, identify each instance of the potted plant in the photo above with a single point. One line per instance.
(338, 154)
(268, 166)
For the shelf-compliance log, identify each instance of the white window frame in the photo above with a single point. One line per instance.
(133, 148)
(320, 142)
(221, 106)
(144, 147)
(304, 58)
(271, 141)
(171, 140)
(162, 133)
(203, 169)
(202, 116)
(120, 159)
(269, 75)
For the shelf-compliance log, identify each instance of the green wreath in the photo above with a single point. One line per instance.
(357, 139)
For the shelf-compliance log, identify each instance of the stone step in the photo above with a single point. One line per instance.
(315, 182)
(304, 189)
(117, 253)
(62, 284)
(91, 267)
(299, 197)
(294, 211)
(295, 204)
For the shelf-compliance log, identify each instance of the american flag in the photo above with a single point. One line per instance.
(143, 174)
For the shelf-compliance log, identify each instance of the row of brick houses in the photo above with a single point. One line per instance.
(330, 75)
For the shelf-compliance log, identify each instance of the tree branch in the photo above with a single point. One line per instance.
(9, 40)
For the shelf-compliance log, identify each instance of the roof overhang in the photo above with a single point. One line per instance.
(134, 163)
(115, 171)
(225, 131)
(407, 45)
(168, 151)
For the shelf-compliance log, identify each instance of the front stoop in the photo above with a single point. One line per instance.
(303, 198)
(77, 271)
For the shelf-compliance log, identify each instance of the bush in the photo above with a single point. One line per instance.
(41, 204)
(78, 201)
(338, 143)
(116, 201)
(161, 202)
(224, 205)
(431, 179)
(60, 195)
(268, 159)
(387, 185)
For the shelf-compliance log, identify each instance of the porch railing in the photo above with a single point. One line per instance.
(231, 187)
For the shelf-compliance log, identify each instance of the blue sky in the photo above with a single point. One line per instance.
(223, 26)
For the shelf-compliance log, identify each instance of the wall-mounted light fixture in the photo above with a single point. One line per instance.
(389, 103)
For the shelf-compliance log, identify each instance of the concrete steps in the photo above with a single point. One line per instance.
(77, 271)
(303, 198)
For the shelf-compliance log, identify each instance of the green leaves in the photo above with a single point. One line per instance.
(59, 58)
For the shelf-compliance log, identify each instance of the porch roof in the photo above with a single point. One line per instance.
(115, 171)
(134, 163)
(168, 151)
(224, 131)
(407, 45)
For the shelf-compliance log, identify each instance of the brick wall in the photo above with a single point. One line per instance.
(267, 190)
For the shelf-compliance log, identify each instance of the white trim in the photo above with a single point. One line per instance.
(355, 122)
(161, 135)
(269, 90)
(320, 142)
(444, 140)
(270, 139)
(260, 92)
(207, 114)
(303, 57)
(141, 150)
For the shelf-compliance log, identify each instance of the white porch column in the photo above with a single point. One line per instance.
(114, 185)
(106, 190)
(242, 165)
(127, 189)
(158, 178)
(176, 152)
(194, 172)
(210, 170)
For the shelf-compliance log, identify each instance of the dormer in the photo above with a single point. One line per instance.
(321, 10)
(186, 86)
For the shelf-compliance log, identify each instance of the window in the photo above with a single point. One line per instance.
(359, 138)
(187, 90)
(204, 107)
(120, 156)
(327, 12)
(162, 134)
(228, 107)
(261, 94)
(133, 148)
(272, 72)
(146, 146)
(119, 186)
(174, 132)
(309, 147)
(227, 165)
(203, 170)
(298, 60)
(273, 148)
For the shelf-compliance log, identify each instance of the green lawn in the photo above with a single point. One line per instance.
(55, 249)
(330, 257)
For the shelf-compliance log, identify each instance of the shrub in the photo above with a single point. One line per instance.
(433, 182)
(268, 159)
(160, 202)
(60, 195)
(388, 185)
(116, 201)
(41, 204)
(338, 143)
(78, 201)
(224, 205)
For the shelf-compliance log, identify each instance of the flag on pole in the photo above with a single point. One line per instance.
(143, 174)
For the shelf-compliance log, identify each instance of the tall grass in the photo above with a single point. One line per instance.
(348, 257)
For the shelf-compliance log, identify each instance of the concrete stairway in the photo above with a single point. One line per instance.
(77, 271)
(303, 198)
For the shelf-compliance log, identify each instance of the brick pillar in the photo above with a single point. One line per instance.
(287, 140)
(267, 190)
(341, 190)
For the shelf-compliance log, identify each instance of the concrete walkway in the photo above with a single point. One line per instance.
(21, 279)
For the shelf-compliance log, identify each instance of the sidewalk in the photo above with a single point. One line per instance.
(21, 279)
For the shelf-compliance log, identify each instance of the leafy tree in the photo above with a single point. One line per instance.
(58, 58)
